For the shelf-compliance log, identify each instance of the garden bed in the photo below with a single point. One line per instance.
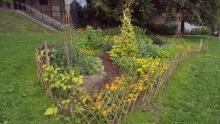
(90, 89)
(113, 90)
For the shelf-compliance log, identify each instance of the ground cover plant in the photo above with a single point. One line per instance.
(146, 63)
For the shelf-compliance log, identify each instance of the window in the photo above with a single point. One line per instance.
(43, 2)
(55, 11)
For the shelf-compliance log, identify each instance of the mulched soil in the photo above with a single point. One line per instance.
(112, 71)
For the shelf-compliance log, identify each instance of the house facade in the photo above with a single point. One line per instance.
(55, 9)
(52, 8)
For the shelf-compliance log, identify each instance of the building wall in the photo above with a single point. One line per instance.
(54, 8)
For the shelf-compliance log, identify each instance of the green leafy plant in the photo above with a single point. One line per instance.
(89, 38)
(107, 43)
(200, 31)
(88, 65)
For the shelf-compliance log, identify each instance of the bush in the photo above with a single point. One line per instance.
(140, 34)
(162, 29)
(200, 31)
(155, 51)
(125, 42)
(89, 38)
(147, 49)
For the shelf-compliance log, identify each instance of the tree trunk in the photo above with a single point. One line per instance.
(12, 5)
(183, 27)
(178, 21)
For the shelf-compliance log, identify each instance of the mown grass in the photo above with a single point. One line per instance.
(12, 22)
(22, 99)
(192, 95)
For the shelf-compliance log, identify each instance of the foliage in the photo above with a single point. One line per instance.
(110, 11)
(182, 91)
(6, 1)
(200, 31)
(88, 65)
(110, 31)
(199, 12)
(89, 38)
(51, 110)
(127, 64)
(83, 60)
(107, 43)
(61, 82)
(161, 29)
(125, 42)
(141, 35)
(82, 52)
(56, 57)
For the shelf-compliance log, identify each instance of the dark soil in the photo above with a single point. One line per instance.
(112, 71)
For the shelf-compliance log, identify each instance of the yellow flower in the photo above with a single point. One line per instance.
(140, 88)
(98, 105)
(107, 87)
(84, 98)
(130, 95)
(113, 88)
(81, 29)
(131, 86)
(104, 113)
(98, 98)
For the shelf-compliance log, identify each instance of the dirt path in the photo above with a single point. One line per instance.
(111, 70)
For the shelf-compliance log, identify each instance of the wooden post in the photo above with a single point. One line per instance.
(46, 54)
(48, 64)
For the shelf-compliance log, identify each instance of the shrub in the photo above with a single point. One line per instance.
(140, 34)
(162, 29)
(200, 31)
(89, 38)
(156, 51)
(125, 42)
(147, 49)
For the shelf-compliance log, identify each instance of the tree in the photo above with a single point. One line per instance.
(200, 12)
(111, 10)
(6, 1)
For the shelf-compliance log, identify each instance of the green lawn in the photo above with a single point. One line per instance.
(192, 96)
(12, 22)
(22, 100)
